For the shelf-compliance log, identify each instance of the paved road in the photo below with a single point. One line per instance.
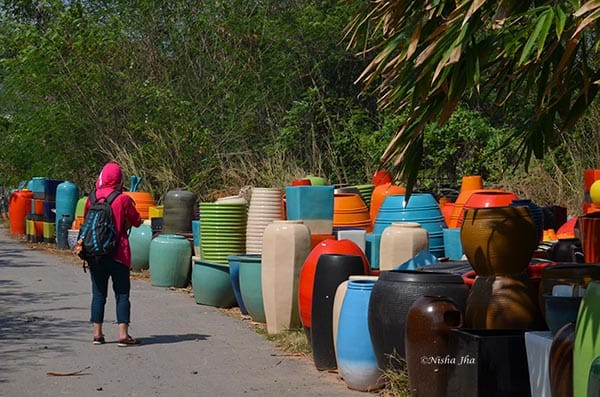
(187, 349)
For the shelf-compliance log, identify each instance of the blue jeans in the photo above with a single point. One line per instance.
(100, 273)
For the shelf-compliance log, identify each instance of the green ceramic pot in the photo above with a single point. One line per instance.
(212, 284)
(586, 347)
(139, 242)
(170, 261)
(251, 286)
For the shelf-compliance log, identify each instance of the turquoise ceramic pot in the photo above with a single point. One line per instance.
(139, 242)
(309, 202)
(170, 261)
(212, 285)
(234, 275)
(251, 286)
(421, 208)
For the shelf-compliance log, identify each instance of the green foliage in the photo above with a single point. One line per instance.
(427, 57)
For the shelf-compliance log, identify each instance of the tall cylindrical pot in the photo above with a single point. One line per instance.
(179, 211)
(286, 244)
(170, 261)
(67, 195)
(62, 232)
(307, 274)
(338, 299)
(139, 242)
(394, 292)
(354, 350)
(331, 271)
(428, 323)
(400, 242)
(250, 276)
(18, 207)
(589, 228)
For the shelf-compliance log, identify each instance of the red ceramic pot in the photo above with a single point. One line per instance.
(589, 228)
(381, 177)
(307, 273)
(487, 199)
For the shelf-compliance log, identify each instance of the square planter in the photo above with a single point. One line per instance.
(311, 204)
(487, 363)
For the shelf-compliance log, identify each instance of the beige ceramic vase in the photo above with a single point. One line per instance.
(286, 245)
(400, 242)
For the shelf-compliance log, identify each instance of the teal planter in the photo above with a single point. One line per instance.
(311, 204)
(170, 261)
(139, 242)
(251, 286)
(212, 284)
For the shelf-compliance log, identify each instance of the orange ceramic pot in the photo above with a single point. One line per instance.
(471, 182)
(498, 241)
(380, 192)
(307, 273)
(143, 201)
(19, 205)
(349, 210)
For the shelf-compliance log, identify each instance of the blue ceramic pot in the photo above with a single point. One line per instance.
(234, 275)
(355, 356)
(421, 208)
(251, 286)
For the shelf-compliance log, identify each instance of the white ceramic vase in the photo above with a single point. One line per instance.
(400, 242)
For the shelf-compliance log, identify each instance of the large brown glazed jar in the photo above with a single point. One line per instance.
(498, 241)
(428, 323)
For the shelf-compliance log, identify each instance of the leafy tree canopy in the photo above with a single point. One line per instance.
(427, 56)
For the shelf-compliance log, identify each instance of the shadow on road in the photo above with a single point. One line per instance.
(167, 339)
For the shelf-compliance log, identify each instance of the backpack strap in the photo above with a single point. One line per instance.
(111, 197)
(93, 197)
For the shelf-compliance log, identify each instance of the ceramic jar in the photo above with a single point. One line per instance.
(428, 323)
(330, 272)
(311, 204)
(400, 242)
(139, 243)
(19, 204)
(498, 241)
(560, 368)
(179, 211)
(234, 275)
(380, 192)
(67, 195)
(338, 299)
(503, 302)
(393, 294)
(355, 356)
(250, 275)
(566, 250)
(536, 213)
(307, 274)
(286, 244)
(170, 260)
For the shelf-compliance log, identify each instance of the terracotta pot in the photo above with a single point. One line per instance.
(498, 241)
(503, 302)
(393, 294)
(286, 244)
(428, 323)
(307, 274)
(330, 272)
(589, 227)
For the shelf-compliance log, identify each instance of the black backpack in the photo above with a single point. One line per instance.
(97, 235)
